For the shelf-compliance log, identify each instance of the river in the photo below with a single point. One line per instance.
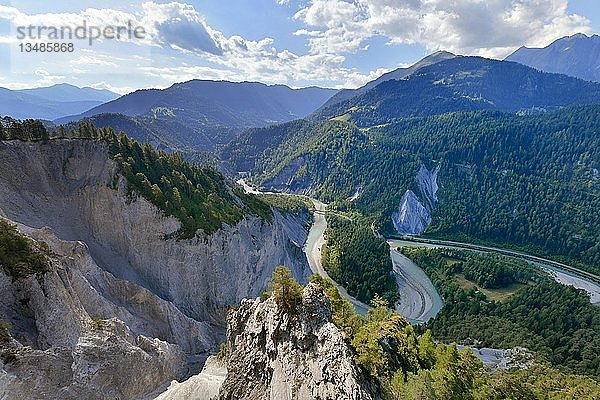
(419, 300)
(569, 277)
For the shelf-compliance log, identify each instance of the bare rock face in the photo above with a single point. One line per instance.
(204, 386)
(427, 181)
(61, 348)
(412, 217)
(414, 213)
(298, 355)
(69, 186)
(124, 310)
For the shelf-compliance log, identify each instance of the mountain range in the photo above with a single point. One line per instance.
(577, 55)
(397, 74)
(126, 270)
(202, 114)
(51, 102)
(461, 84)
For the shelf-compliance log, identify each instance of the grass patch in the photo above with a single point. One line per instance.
(290, 204)
(343, 118)
(499, 294)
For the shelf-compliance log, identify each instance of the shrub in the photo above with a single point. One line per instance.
(222, 354)
(4, 332)
(287, 292)
(18, 254)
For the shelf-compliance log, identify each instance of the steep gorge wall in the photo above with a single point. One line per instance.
(73, 332)
(116, 263)
(66, 185)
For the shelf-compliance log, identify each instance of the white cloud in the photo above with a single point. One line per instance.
(489, 28)
(190, 48)
(90, 60)
(182, 45)
(112, 88)
(42, 78)
(180, 26)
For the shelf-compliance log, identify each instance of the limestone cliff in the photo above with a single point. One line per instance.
(412, 217)
(414, 213)
(157, 302)
(291, 180)
(283, 356)
(70, 341)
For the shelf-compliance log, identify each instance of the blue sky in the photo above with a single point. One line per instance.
(333, 43)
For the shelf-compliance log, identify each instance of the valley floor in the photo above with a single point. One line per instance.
(561, 275)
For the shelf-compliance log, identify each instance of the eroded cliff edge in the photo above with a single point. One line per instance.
(115, 268)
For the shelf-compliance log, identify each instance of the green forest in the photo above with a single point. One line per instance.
(358, 260)
(20, 256)
(528, 182)
(29, 129)
(557, 322)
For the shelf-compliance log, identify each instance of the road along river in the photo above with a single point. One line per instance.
(562, 273)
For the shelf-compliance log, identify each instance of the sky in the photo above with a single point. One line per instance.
(328, 43)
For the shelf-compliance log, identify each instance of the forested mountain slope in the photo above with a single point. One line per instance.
(529, 181)
(464, 84)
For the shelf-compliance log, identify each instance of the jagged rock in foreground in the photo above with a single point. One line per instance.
(204, 386)
(297, 355)
(61, 348)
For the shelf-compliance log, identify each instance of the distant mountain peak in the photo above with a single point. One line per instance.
(398, 73)
(577, 55)
(64, 85)
(462, 84)
(442, 53)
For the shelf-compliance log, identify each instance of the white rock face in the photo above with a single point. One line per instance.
(412, 217)
(63, 349)
(114, 264)
(204, 386)
(427, 181)
(280, 356)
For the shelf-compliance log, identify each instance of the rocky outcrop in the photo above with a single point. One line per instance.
(413, 216)
(428, 186)
(204, 386)
(168, 297)
(284, 356)
(290, 179)
(61, 346)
